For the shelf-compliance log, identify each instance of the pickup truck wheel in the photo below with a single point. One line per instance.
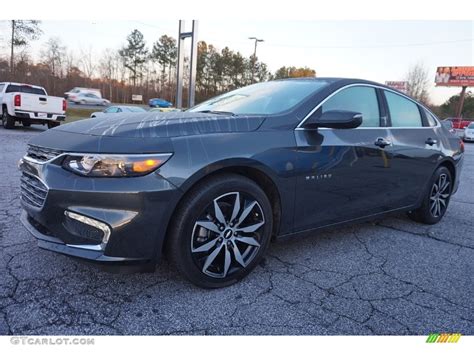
(53, 124)
(8, 121)
(26, 123)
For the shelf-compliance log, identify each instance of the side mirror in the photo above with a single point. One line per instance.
(334, 119)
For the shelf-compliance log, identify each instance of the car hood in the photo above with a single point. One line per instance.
(162, 124)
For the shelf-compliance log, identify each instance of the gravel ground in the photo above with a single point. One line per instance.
(392, 276)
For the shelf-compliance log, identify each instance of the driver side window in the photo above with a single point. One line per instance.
(360, 99)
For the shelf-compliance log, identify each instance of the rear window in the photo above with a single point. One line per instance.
(25, 89)
(403, 112)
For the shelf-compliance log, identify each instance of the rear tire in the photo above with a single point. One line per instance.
(53, 124)
(8, 121)
(436, 199)
(26, 123)
(217, 246)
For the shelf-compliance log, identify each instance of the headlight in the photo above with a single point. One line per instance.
(114, 165)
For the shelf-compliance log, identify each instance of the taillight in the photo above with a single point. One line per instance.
(17, 100)
(461, 145)
(64, 105)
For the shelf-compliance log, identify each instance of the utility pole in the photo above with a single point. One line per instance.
(12, 70)
(254, 60)
(461, 102)
(180, 64)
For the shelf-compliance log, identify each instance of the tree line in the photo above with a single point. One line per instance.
(149, 70)
(135, 68)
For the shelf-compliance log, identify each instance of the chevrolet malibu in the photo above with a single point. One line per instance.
(212, 186)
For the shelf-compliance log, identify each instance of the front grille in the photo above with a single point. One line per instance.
(41, 154)
(33, 191)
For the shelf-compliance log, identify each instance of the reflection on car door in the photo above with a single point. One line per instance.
(415, 148)
(343, 174)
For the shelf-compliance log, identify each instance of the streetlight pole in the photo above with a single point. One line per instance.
(254, 62)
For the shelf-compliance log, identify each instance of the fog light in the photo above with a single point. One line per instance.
(87, 228)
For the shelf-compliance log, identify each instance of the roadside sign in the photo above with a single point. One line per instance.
(137, 97)
(398, 85)
(454, 76)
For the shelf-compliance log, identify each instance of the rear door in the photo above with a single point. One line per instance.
(343, 174)
(415, 147)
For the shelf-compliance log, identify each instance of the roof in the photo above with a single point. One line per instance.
(21, 84)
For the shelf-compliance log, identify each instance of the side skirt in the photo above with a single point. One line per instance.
(308, 232)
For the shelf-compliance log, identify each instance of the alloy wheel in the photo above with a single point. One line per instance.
(226, 236)
(439, 196)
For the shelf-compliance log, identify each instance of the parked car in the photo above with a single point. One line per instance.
(77, 90)
(213, 185)
(89, 99)
(30, 104)
(159, 103)
(469, 133)
(458, 123)
(118, 109)
(165, 109)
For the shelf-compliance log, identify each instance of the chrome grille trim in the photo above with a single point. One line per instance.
(41, 154)
(33, 191)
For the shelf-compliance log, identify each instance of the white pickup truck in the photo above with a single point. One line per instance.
(30, 104)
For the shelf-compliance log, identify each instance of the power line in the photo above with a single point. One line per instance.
(287, 45)
(373, 46)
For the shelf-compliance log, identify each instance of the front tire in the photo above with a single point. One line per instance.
(220, 231)
(436, 199)
(8, 121)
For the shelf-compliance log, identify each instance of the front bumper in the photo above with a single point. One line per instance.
(135, 211)
(468, 138)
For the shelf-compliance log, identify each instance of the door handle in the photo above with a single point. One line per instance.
(431, 141)
(382, 142)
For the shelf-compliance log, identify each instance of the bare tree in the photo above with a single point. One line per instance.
(52, 56)
(22, 32)
(418, 82)
(87, 63)
(108, 69)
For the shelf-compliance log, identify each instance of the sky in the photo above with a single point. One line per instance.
(375, 50)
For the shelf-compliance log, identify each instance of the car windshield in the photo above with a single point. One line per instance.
(471, 125)
(262, 98)
(136, 109)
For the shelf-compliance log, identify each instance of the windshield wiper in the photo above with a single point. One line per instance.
(217, 112)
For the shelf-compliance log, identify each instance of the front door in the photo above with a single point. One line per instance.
(343, 174)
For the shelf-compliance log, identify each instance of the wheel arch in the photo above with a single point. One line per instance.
(450, 165)
(244, 167)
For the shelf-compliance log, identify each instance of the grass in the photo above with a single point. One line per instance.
(76, 114)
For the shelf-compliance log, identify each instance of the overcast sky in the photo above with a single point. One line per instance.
(375, 50)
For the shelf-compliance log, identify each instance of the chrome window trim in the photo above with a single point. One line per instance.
(299, 126)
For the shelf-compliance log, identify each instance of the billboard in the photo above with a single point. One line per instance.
(454, 76)
(398, 85)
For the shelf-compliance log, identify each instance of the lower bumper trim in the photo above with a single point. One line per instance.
(55, 244)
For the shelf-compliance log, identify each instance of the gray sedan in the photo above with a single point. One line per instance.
(118, 109)
(88, 98)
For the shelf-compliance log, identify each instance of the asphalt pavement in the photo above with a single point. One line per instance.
(391, 276)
